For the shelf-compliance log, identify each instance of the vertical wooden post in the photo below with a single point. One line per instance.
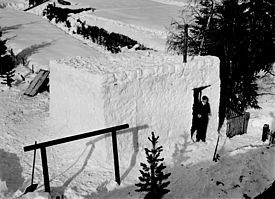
(116, 161)
(185, 43)
(45, 169)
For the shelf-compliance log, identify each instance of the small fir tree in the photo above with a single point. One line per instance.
(6, 64)
(152, 179)
(7, 73)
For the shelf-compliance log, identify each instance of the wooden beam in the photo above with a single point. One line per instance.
(75, 137)
(116, 160)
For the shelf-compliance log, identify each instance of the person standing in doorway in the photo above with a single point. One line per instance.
(194, 126)
(204, 112)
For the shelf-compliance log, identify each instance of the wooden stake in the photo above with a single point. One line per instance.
(116, 161)
(45, 169)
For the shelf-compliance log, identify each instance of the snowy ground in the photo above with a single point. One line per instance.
(246, 166)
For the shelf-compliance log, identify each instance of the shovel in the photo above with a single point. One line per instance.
(32, 187)
(216, 156)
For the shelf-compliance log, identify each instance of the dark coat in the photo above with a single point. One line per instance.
(204, 111)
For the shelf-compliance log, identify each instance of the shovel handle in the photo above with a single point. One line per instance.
(215, 153)
(33, 164)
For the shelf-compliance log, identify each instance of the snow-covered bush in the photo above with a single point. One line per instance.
(111, 41)
(60, 14)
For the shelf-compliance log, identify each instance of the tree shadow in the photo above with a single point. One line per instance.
(10, 28)
(22, 56)
(179, 154)
(59, 191)
(10, 171)
(7, 29)
(10, 38)
(135, 143)
(133, 161)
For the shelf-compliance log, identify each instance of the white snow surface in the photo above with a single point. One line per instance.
(246, 165)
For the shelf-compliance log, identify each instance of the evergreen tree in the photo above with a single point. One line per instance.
(152, 179)
(3, 48)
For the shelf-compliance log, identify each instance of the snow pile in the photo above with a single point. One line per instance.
(148, 91)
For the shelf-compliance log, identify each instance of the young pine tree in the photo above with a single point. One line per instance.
(6, 64)
(8, 71)
(152, 179)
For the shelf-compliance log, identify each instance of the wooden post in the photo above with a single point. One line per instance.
(45, 169)
(185, 43)
(116, 161)
(42, 146)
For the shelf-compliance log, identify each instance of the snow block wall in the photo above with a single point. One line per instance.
(150, 92)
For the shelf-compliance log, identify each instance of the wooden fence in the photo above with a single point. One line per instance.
(237, 121)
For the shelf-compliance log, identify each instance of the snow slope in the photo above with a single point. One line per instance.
(144, 13)
(246, 167)
(36, 37)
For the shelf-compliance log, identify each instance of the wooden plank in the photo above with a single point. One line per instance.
(37, 82)
(62, 2)
(34, 82)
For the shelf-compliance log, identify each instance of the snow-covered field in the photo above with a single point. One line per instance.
(246, 167)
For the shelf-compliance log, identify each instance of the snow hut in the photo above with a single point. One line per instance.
(149, 91)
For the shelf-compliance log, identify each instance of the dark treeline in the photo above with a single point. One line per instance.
(242, 35)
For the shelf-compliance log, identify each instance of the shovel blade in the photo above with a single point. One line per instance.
(31, 188)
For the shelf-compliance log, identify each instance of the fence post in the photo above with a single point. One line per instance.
(116, 161)
(185, 43)
(45, 169)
